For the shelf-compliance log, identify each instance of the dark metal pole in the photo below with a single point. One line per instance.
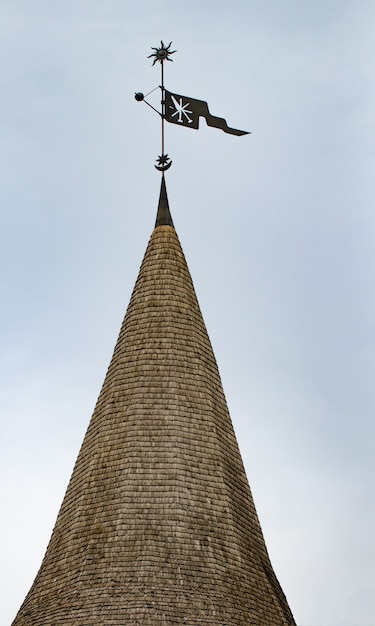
(162, 108)
(160, 55)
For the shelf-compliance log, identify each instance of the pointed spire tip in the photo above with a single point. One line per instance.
(163, 217)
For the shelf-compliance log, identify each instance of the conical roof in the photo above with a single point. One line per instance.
(158, 525)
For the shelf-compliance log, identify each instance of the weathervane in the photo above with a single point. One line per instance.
(179, 109)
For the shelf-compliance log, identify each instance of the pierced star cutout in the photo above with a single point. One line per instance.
(182, 112)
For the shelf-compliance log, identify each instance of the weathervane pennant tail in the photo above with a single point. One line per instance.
(187, 111)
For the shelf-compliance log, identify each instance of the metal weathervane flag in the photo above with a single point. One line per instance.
(180, 110)
(187, 111)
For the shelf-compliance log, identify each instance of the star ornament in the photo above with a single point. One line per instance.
(163, 159)
(163, 163)
(161, 54)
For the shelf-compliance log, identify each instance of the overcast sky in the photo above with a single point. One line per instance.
(278, 228)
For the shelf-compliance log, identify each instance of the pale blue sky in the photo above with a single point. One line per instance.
(278, 229)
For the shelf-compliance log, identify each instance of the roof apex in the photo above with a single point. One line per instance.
(163, 217)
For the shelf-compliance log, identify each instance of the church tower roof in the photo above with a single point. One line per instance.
(158, 526)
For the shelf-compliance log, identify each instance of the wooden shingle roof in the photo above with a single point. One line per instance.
(158, 525)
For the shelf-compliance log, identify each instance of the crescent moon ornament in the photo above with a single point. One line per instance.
(164, 163)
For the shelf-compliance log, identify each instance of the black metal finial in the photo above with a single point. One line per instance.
(180, 110)
(162, 54)
(163, 162)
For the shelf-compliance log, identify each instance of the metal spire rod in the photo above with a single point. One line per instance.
(160, 55)
(162, 106)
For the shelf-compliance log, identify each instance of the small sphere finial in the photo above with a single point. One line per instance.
(139, 96)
